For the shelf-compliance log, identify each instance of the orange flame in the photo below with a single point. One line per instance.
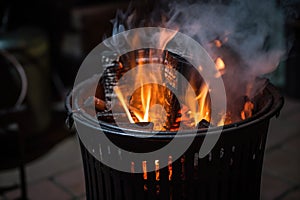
(218, 43)
(222, 120)
(123, 102)
(146, 103)
(248, 106)
(247, 111)
(144, 166)
(170, 169)
(198, 107)
(156, 162)
(145, 99)
(220, 65)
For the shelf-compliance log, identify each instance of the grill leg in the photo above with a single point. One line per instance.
(22, 173)
(23, 185)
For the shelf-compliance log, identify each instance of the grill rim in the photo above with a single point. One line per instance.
(78, 114)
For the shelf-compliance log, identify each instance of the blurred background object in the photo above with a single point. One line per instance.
(292, 71)
(42, 45)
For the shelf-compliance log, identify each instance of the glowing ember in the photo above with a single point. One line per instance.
(157, 170)
(144, 166)
(198, 107)
(170, 167)
(220, 65)
(222, 121)
(247, 111)
(218, 43)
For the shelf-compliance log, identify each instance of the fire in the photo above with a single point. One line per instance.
(248, 106)
(218, 43)
(198, 107)
(247, 111)
(170, 169)
(145, 100)
(220, 65)
(147, 103)
(123, 102)
(144, 167)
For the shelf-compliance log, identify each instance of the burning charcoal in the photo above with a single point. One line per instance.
(203, 124)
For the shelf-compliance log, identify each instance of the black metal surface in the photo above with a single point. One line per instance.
(232, 170)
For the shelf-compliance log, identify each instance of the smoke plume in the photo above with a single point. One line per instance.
(251, 33)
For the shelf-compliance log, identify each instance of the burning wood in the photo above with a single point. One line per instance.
(157, 175)
(247, 110)
(157, 104)
(144, 166)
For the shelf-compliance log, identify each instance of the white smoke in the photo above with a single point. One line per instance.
(251, 31)
(254, 29)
